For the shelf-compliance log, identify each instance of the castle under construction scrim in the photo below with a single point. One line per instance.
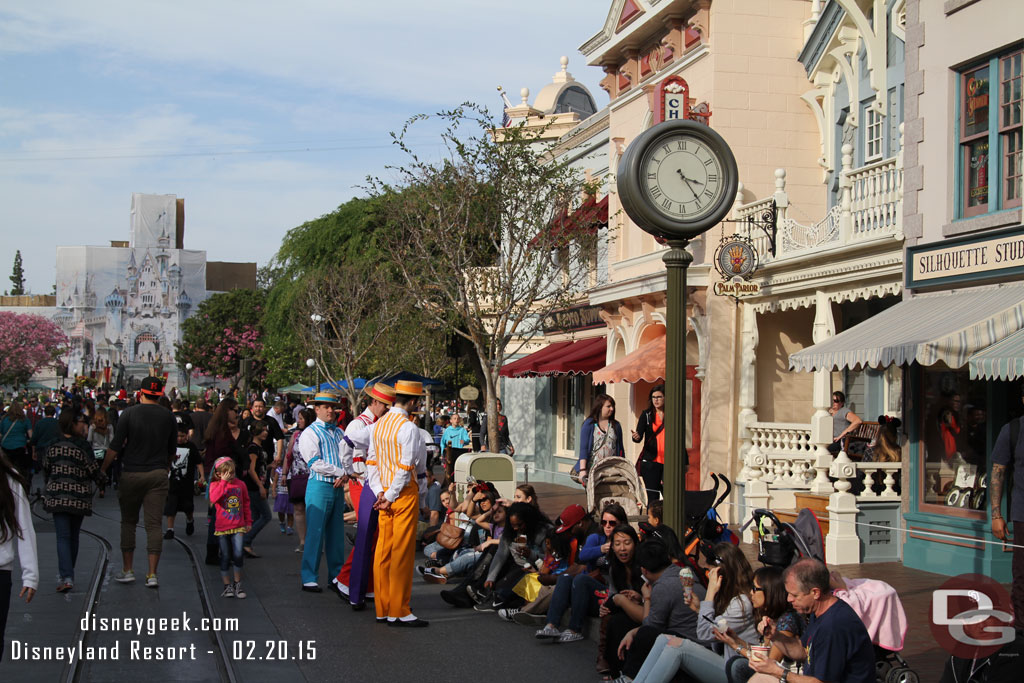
(123, 307)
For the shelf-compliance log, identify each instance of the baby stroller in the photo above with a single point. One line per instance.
(615, 480)
(704, 527)
(875, 602)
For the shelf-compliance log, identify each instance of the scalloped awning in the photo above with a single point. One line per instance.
(948, 327)
(647, 363)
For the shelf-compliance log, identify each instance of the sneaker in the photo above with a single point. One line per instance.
(169, 534)
(569, 636)
(487, 606)
(421, 570)
(290, 531)
(151, 581)
(229, 591)
(431, 563)
(125, 576)
(282, 528)
(64, 585)
(299, 549)
(434, 576)
(190, 528)
(527, 619)
(478, 596)
(547, 632)
(509, 614)
(239, 593)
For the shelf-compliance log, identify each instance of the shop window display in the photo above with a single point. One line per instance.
(953, 442)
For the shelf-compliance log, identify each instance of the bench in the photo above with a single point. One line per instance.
(862, 435)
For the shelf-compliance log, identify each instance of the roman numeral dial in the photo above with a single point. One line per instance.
(682, 177)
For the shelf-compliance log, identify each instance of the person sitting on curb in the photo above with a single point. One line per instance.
(835, 647)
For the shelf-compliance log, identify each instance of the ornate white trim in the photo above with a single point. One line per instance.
(877, 290)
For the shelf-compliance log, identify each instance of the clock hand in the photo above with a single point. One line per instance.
(683, 176)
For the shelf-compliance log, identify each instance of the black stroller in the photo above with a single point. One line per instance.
(781, 544)
(703, 530)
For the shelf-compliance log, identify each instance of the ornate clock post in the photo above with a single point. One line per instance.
(676, 180)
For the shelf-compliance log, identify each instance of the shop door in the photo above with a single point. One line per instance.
(693, 392)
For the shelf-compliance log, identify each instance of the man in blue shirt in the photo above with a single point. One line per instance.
(1009, 452)
(835, 647)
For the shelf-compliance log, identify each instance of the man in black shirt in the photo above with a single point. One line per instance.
(146, 438)
(274, 445)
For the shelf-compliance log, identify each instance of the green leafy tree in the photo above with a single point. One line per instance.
(17, 276)
(472, 237)
(226, 329)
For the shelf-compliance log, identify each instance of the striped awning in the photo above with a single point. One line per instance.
(949, 327)
(1003, 360)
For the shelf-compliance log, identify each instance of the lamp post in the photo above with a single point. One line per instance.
(309, 364)
(317, 319)
(188, 381)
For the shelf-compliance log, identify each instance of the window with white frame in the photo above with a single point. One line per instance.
(872, 135)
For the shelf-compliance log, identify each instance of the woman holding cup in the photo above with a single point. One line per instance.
(768, 595)
(727, 607)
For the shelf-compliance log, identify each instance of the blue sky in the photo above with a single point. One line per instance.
(261, 115)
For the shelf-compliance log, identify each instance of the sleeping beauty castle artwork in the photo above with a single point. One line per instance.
(123, 306)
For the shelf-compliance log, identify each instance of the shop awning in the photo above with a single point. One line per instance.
(647, 363)
(1003, 360)
(582, 358)
(518, 368)
(949, 327)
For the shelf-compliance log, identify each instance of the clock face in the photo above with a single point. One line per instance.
(677, 179)
(682, 177)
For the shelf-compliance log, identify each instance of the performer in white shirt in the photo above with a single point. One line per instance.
(396, 466)
(320, 445)
(355, 580)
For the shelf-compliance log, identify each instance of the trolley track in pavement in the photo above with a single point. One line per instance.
(77, 670)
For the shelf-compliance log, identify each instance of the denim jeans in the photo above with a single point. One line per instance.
(67, 527)
(738, 670)
(230, 551)
(577, 592)
(260, 516)
(443, 554)
(463, 562)
(664, 661)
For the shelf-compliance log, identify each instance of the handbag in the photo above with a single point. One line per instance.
(297, 486)
(450, 536)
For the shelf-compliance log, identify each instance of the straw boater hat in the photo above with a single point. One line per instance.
(381, 392)
(408, 388)
(325, 398)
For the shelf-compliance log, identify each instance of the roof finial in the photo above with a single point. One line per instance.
(525, 94)
(565, 62)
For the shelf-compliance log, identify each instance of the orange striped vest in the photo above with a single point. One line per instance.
(388, 451)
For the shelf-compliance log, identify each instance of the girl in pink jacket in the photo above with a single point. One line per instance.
(231, 500)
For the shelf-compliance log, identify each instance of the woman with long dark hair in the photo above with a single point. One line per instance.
(769, 598)
(600, 436)
(623, 609)
(728, 600)
(222, 439)
(71, 468)
(15, 531)
(650, 428)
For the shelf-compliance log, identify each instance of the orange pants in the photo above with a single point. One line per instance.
(396, 551)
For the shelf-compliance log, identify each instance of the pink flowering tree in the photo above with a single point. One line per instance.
(28, 343)
(225, 330)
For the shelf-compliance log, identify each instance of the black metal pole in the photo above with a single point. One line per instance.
(677, 260)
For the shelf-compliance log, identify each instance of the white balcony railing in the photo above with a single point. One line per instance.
(869, 207)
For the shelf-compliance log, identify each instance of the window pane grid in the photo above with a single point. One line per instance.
(873, 134)
(1012, 168)
(1010, 91)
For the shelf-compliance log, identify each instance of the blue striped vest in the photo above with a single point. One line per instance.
(330, 450)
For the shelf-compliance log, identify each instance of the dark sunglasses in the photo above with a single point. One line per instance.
(481, 500)
(605, 522)
(757, 589)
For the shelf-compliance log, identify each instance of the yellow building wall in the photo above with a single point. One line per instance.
(783, 396)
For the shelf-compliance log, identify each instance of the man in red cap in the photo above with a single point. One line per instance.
(146, 438)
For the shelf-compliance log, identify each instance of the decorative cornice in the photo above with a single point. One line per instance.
(821, 36)
(838, 296)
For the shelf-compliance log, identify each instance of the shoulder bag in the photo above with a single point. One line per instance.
(450, 536)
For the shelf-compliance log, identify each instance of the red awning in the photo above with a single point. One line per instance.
(527, 364)
(591, 216)
(582, 358)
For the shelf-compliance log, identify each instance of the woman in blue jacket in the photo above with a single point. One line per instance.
(600, 436)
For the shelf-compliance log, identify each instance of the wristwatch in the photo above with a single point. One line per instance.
(784, 676)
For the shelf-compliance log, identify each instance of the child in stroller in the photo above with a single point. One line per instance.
(875, 602)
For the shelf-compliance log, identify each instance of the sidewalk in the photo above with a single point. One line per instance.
(915, 587)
